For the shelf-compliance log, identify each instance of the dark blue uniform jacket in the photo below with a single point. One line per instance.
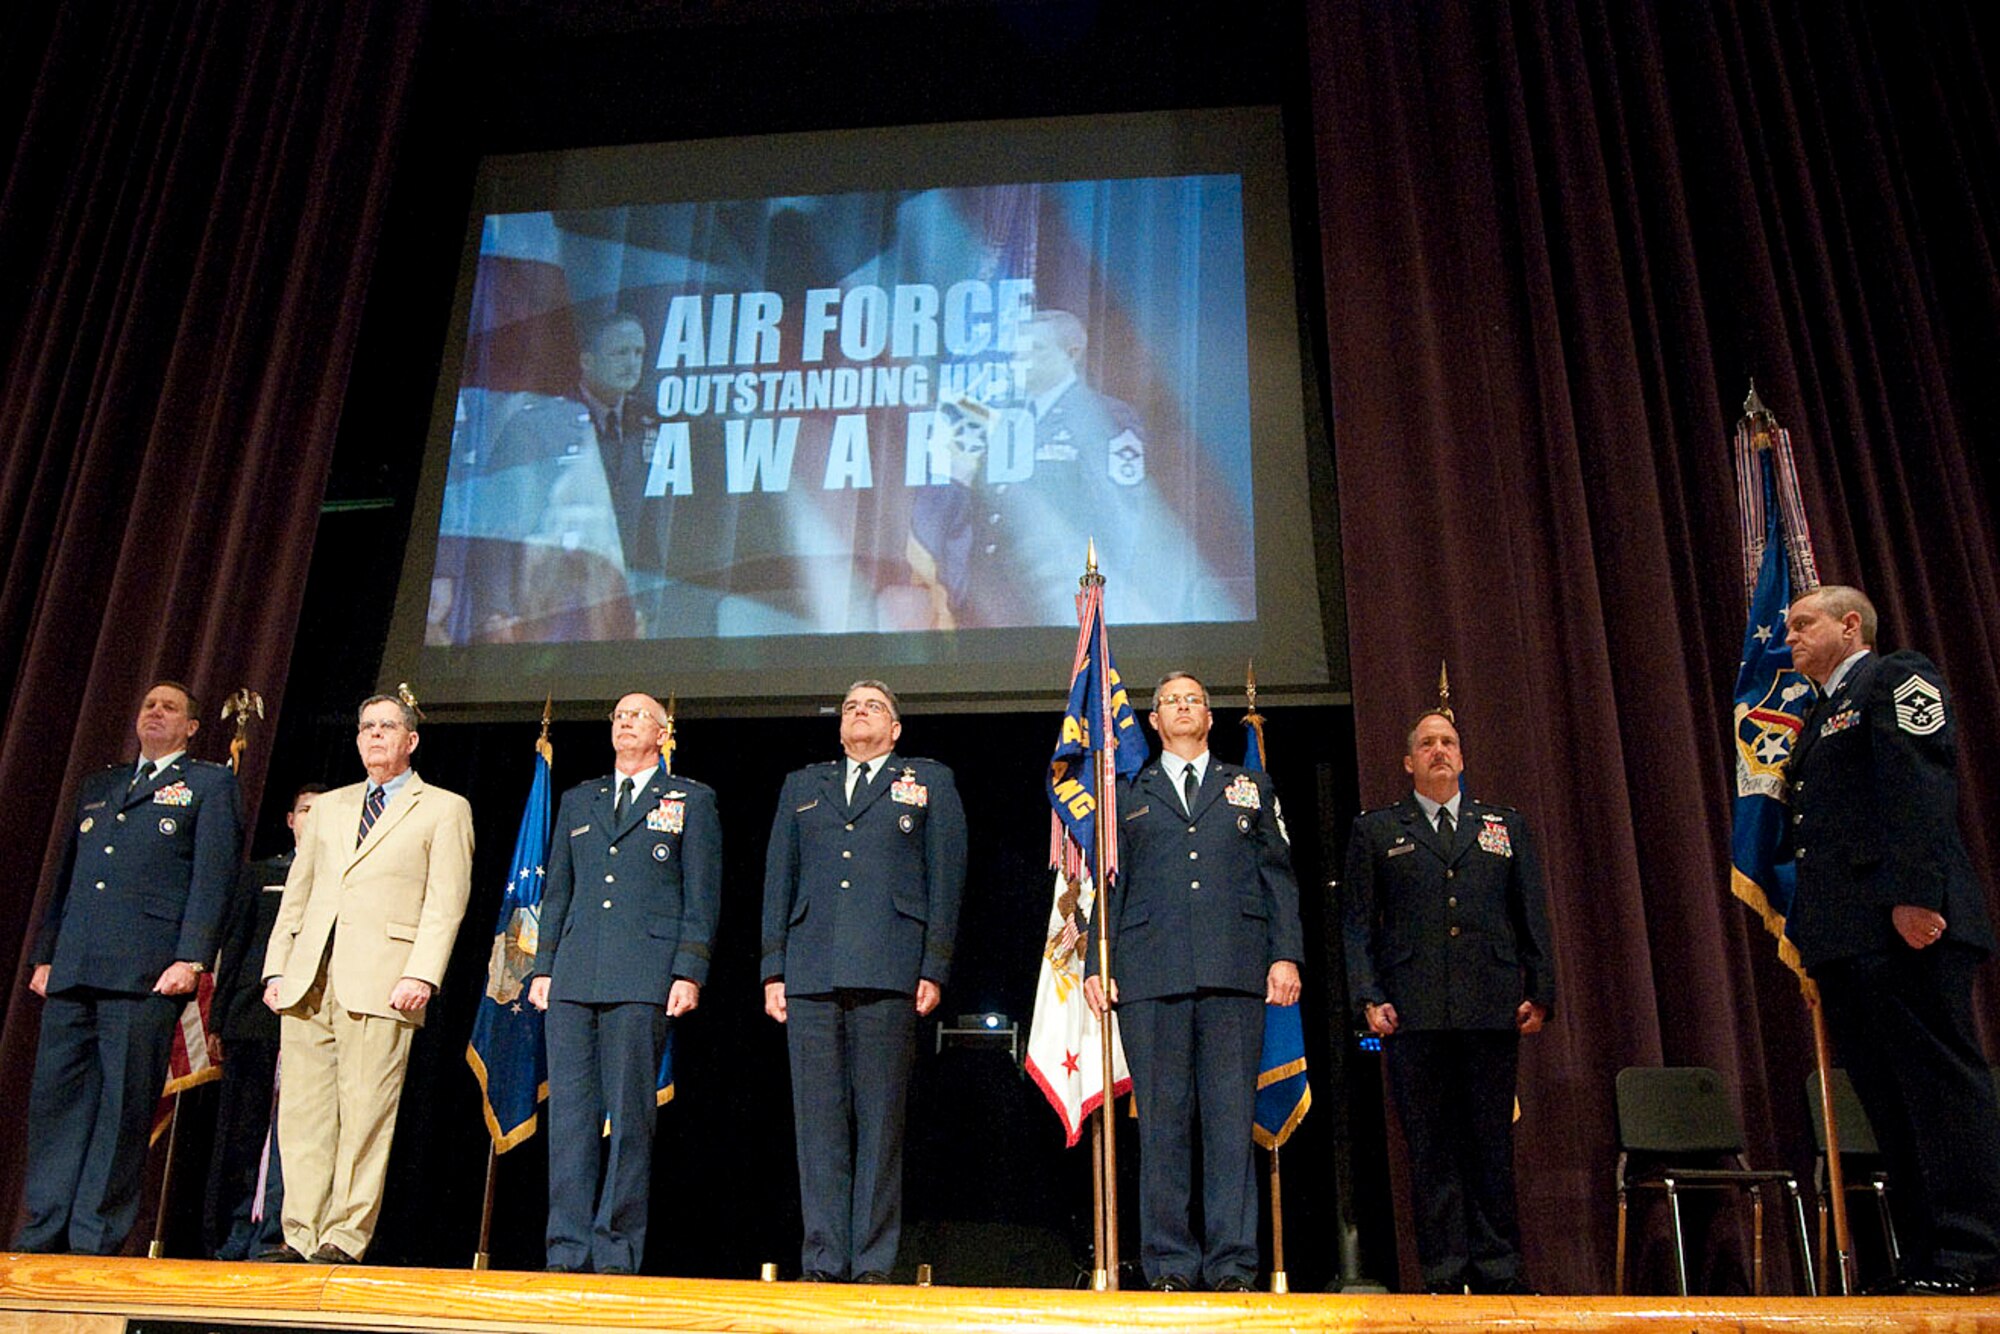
(145, 877)
(869, 898)
(1206, 901)
(1453, 941)
(630, 904)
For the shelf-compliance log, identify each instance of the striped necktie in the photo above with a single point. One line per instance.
(371, 810)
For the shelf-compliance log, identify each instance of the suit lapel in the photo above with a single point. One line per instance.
(392, 815)
(884, 776)
(645, 796)
(143, 792)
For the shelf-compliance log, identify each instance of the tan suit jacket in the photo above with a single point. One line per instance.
(397, 899)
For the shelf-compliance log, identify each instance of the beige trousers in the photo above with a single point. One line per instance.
(340, 1081)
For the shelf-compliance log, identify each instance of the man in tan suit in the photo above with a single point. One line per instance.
(390, 860)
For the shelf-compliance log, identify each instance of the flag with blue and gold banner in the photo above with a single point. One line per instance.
(506, 1051)
(1772, 696)
(1065, 1043)
(1283, 1095)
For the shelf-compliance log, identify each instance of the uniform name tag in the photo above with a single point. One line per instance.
(1136, 814)
(1493, 836)
(580, 829)
(94, 805)
(1242, 791)
(174, 794)
(801, 810)
(669, 816)
(1401, 850)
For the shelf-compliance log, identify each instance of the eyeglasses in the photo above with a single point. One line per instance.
(368, 728)
(1192, 701)
(631, 716)
(872, 707)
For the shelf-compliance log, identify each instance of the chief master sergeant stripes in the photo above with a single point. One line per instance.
(861, 888)
(129, 927)
(628, 923)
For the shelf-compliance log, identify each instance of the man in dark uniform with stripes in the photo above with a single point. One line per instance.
(861, 889)
(1448, 962)
(1206, 933)
(1891, 922)
(125, 936)
(627, 930)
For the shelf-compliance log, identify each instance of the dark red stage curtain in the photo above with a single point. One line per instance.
(188, 216)
(1559, 236)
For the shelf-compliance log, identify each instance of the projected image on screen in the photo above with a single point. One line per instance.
(851, 413)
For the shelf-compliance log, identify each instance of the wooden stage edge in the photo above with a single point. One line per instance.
(79, 1295)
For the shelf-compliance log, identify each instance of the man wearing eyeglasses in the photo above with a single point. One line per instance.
(1206, 934)
(388, 860)
(628, 923)
(861, 889)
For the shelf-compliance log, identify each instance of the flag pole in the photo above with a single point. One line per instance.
(1106, 1277)
(1280, 1281)
(1764, 433)
(482, 1258)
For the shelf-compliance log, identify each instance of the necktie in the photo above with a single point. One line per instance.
(1447, 830)
(1189, 786)
(624, 802)
(140, 775)
(861, 783)
(371, 810)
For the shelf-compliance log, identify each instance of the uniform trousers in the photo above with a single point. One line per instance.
(98, 1074)
(1454, 1092)
(343, 1078)
(851, 1053)
(604, 1063)
(1901, 1022)
(1195, 1058)
(246, 1153)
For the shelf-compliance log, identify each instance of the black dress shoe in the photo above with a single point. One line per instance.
(819, 1276)
(563, 1269)
(330, 1254)
(617, 1269)
(1234, 1283)
(1950, 1283)
(871, 1276)
(1172, 1283)
(1503, 1287)
(279, 1255)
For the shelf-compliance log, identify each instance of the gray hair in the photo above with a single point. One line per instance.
(895, 708)
(1836, 600)
(410, 717)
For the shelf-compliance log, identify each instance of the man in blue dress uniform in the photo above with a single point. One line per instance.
(1891, 922)
(861, 888)
(628, 924)
(1205, 934)
(126, 934)
(1448, 963)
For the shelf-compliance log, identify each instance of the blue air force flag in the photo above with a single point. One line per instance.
(506, 1052)
(1772, 697)
(1283, 1095)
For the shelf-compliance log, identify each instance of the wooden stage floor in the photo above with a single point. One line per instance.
(76, 1295)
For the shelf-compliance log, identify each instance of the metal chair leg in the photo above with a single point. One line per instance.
(1618, 1282)
(1805, 1252)
(1889, 1230)
(1757, 1240)
(1680, 1237)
